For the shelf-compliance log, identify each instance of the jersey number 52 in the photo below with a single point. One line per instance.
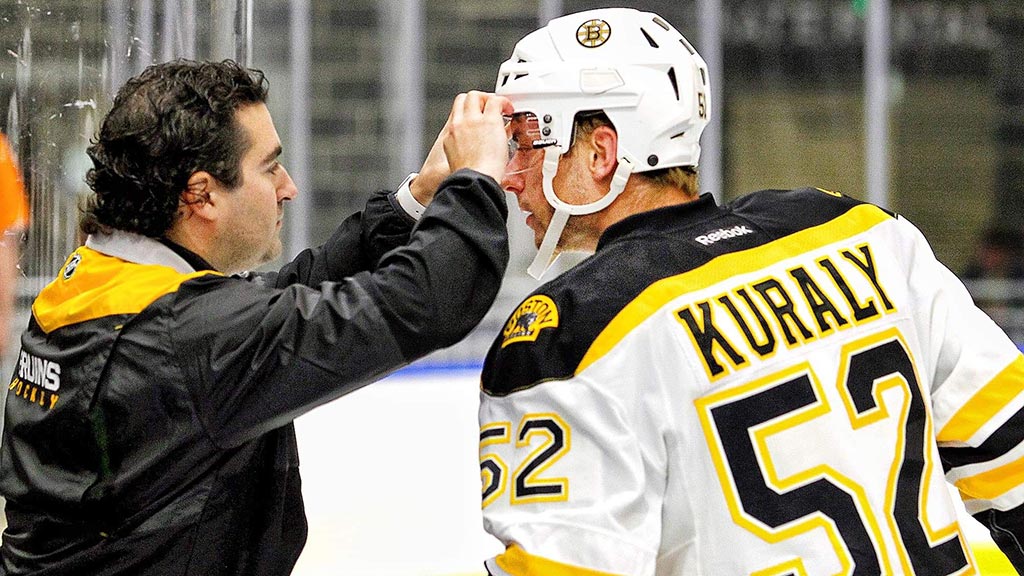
(739, 422)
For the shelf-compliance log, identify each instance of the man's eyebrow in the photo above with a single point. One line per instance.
(273, 154)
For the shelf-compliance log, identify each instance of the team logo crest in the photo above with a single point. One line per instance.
(593, 33)
(535, 314)
(72, 265)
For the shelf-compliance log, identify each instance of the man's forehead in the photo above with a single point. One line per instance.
(259, 127)
(272, 149)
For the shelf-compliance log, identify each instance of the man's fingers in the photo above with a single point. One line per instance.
(458, 107)
(501, 104)
(475, 101)
(476, 137)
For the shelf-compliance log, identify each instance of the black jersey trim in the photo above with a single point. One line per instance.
(993, 398)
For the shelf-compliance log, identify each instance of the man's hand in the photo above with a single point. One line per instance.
(435, 169)
(475, 135)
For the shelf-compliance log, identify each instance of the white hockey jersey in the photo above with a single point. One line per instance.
(778, 386)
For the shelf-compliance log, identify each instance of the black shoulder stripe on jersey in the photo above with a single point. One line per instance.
(649, 248)
(787, 211)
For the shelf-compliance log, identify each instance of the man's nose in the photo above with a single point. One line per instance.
(287, 190)
(512, 183)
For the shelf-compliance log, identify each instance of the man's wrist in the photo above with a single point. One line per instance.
(407, 201)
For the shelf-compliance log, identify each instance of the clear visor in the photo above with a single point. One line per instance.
(525, 143)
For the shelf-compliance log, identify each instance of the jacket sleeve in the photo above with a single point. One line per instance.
(356, 245)
(260, 356)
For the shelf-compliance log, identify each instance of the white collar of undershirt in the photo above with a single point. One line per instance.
(138, 249)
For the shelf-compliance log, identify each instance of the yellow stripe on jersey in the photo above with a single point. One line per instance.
(518, 562)
(93, 285)
(991, 560)
(985, 404)
(856, 221)
(993, 483)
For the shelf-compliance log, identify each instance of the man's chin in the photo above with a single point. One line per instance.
(273, 252)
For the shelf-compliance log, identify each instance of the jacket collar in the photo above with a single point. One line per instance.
(145, 250)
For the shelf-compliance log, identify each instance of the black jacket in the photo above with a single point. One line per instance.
(148, 426)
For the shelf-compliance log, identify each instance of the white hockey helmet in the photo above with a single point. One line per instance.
(636, 68)
(633, 65)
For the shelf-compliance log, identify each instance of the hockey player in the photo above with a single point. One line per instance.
(148, 426)
(781, 385)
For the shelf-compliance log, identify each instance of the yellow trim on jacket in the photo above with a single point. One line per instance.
(93, 285)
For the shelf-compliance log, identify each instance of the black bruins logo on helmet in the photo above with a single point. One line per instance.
(593, 33)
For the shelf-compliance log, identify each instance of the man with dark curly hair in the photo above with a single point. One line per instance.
(148, 426)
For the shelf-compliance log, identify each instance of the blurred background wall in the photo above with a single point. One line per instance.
(359, 89)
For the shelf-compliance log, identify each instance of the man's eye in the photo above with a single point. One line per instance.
(513, 147)
(274, 167)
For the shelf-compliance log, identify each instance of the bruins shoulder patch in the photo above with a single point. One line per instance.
(533, 315)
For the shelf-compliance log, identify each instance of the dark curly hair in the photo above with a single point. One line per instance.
(167, 123)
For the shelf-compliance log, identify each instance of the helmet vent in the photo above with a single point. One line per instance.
(672, 79)
(518, 76)
(662, 23)
(649, 39)
(703, 77)
(688, 47)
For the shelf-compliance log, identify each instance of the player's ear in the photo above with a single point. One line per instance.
(604, 147)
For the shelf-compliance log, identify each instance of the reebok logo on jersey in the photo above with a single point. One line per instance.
(535, 314)
(723, 234)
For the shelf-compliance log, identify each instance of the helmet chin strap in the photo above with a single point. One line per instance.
(544, 258)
